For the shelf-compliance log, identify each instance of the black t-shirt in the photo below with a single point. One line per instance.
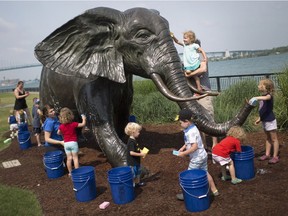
(132, 145)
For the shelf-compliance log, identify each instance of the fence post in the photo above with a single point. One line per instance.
(218, 84)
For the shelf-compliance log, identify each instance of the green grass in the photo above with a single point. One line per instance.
(15, 201)
(6, 104)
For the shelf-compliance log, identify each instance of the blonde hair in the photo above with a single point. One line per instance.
(190, 35)
(132, 127)
(237, 132)
(268, 84)
(66, 116)
(11, 112)
(22, 116)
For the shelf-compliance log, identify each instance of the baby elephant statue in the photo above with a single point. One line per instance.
(89, 62)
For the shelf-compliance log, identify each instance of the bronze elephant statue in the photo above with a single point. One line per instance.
(89, 62)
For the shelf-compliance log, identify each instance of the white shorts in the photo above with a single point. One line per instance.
(270, 126)
(221, 160)
(13, 127)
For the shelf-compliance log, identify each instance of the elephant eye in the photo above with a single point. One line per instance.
(143, 35)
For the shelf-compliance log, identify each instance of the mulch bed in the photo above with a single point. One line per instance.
(266, 194)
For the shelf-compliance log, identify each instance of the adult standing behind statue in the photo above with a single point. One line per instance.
(20, 102)
(206, 102)
(50, 127)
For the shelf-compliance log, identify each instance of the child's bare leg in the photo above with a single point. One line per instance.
(69, 162)
(38, 139)
(232, 170)
(211, 183)
(75, 160)
(274, 140)
(197, 81)
(268, 143)
(223, 171)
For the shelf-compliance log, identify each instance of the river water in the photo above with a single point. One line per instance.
(256, 65)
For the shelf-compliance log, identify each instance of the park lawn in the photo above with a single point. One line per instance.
(6, 104)
(15, 201)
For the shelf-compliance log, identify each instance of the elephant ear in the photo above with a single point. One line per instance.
(85, 46)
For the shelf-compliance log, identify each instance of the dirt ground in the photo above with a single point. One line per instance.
(266, 194)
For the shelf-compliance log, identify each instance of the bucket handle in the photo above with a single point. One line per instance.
(82, 185)
(25, 140)
(198, 197)
(125, 183)
(53, 168)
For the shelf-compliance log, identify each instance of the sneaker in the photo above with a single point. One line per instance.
(140, 184)
(180, 196)
(216, 193)
(264, 157)
(236, 181)
(274, 160)
(225, 178)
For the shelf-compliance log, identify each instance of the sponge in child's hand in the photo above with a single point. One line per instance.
(175, 152)
(145, 150)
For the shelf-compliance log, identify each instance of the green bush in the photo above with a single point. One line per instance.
(281, 101)
(150, 106)
(228, 103)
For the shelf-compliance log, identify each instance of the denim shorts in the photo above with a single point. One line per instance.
(136, 170)
(71, 147)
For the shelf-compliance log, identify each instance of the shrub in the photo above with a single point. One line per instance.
(228, 103)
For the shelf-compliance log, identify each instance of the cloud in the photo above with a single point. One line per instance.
(6, 25)
(17, 50)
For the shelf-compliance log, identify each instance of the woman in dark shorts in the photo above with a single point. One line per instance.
(20, 102)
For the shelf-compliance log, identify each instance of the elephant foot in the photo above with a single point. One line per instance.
(111, 145)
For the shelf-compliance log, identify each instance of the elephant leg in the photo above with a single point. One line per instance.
(97, 99)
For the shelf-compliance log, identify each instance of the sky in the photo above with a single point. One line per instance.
(220, 25)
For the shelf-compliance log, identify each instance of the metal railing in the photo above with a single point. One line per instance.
(218, 83)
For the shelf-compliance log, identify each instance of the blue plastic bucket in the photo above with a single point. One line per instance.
(84, 183)
(54, 164)
(22, 127)
(121, 184)
(24, 139)
(244, 163)
(195, 188)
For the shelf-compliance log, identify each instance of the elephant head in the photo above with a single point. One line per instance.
(89, 63)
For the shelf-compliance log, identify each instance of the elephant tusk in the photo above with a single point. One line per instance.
(209, 93)
(167, 93)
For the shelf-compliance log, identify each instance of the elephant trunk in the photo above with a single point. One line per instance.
(177, 84)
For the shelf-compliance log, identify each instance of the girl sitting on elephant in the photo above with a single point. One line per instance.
(191, 58)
